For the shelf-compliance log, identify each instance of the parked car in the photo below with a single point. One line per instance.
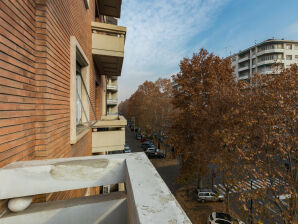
(138, 136)
(153, 152)
(145, 139)
(146, 145)
(205, 190)
(127, 149)
(222, 218)
(209, 196)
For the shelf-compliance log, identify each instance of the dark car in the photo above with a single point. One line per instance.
(155, 153)
(146, 145)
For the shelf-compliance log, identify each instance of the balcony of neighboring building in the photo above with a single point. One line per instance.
(108, 48)
(112, 87)
(109, 7)
(112, 102)
(145, 197)
(243, 58)
(270, 48)
(108, 134)
(270, 59)
(243, 68)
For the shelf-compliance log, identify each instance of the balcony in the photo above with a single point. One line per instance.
(112, 87)
(108, 48)
(112, 102)
(269, 61)
(270, 51)
(110, 7)
(243, 59)
(108, 134)
(146, 198)
(243, 68)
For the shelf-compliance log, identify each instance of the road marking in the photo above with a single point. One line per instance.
(256, 184)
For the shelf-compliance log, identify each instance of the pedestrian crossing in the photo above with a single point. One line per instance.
(248, 185)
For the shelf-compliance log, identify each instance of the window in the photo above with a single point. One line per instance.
(289, 46)
(80, 103)
(78, 95)
(296, 57)
(289, 57)
(296, 47)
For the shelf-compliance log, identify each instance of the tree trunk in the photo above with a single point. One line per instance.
(200, 182)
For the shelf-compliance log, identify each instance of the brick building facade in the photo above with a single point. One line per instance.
(43, 45)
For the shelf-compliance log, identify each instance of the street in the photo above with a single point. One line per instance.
(167, 169)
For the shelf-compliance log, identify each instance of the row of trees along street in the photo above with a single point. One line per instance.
(247, 129)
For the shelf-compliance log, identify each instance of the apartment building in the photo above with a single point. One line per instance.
(267, 57)
(58, 61)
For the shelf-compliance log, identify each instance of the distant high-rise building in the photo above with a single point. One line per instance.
(267, 57)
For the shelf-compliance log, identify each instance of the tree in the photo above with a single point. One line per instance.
(150, 106)
(204, 94)
(265, 139)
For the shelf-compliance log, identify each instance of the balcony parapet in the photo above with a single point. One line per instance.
(112, 102)
(108, 48)
(147, 199)
(111, 121)
(243, 68)
(270, 51)
(112, 87)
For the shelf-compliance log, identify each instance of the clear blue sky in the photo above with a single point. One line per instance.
(161, 32)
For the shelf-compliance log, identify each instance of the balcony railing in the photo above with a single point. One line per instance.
(243, 68)
(146, 198)
(270, 51)
(112, 102)
(108, 134)
(108, 48)
(112, 87)
(243, 59)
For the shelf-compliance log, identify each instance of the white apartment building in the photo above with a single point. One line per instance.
(267, 57)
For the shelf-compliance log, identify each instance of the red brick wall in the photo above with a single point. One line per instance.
(18, 98)
(35, 77)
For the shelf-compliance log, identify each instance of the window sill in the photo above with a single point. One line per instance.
(81, 132)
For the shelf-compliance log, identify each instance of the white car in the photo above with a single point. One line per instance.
(127, 149)
(209, 196)
(222, 218)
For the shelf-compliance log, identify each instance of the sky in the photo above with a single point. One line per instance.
(160, 33)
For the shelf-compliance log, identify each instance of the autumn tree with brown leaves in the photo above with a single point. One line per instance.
(266, 141)
(204, 95)
(150, 106)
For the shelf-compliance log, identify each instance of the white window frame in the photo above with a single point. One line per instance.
(77, 55)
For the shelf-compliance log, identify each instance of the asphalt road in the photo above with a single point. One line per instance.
(169, 173)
